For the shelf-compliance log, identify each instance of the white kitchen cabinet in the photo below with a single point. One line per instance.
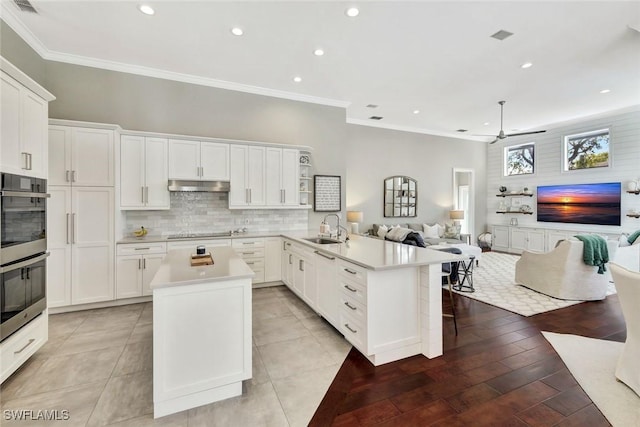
(136, 265)
(194, 243)
(24, 110)
(198, 160)
(526, 239)
(281, 177)
(252, 251)
(286, 266)
(81, 267)
(81, 156)
(247, 176)
(143, 173)
(500, 236)
(328, 291)
(272, 259)
(20, 346)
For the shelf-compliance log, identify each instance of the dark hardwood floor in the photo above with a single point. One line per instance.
(499, 371)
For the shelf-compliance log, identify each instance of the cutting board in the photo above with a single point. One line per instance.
(200, 260)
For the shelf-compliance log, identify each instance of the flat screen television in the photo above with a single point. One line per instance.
(580, 203)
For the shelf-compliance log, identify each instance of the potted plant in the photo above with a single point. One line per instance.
(502, 189)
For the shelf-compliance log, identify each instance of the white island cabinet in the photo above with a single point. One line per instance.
(201, 330)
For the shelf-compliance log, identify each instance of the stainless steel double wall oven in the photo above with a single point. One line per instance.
(23, 206)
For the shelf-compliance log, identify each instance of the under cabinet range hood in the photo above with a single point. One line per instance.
(202, 186)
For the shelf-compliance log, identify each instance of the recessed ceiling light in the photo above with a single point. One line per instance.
(146, 9)
(237, 31)
(318, 52)
(416, 111)
(526, 65)
(352, 12)
(297, 79)
(486, 123)
(605, 91)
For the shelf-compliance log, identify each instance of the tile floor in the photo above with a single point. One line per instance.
(97, 365)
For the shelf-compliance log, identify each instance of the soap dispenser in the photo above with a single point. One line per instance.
(324, 228)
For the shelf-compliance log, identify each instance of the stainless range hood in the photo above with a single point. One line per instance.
(203, 186)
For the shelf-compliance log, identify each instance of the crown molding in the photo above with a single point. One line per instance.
(367, 122)
(9, 17)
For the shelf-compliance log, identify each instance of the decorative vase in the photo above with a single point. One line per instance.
(632, 186)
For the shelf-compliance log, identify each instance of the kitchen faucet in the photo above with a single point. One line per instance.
(338, 227)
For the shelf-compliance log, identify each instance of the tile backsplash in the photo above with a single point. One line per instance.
(209, 212)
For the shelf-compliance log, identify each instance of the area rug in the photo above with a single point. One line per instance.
(493, 281)
(596, 375)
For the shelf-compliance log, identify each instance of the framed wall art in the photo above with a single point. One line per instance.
(326, 193)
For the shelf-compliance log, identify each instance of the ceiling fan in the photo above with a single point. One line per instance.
(502, 135)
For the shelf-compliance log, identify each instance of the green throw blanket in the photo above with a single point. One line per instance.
(633, 236)
(595, 251)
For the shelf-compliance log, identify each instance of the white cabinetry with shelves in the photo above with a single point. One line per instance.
(198, 160)
(143, 173)
(136, 265)
(305, 179)
(24, 111)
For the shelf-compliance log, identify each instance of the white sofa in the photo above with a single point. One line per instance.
(562, 273)
(628, 256)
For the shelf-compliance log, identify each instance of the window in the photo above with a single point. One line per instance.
(587, 150)
(519, 159)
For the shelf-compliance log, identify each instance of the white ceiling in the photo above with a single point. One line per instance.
(433, 56)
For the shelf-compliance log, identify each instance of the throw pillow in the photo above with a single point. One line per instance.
(431, 231)
(398, 234)
(634, 237)
(452, 231)
(382, 231)
(622, 241)
(441, 230)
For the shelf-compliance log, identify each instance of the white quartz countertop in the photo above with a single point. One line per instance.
(376, 254)
(176, 268)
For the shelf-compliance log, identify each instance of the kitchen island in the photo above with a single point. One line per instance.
(201, 330)
(384, 297)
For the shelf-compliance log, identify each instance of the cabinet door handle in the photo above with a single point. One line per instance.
(141, 249)
(73, 176)
(290, 259)
(249, 263)
(139, 264)
(350, 271)
(73, 228)
(68, 227)
(66, 176)
(144, 263)
(249, 253)
(301, 265)
(284, 246)
(325, 256)
(349, 288)
(31, 341)
(25, 160)
(350, 306)
(346, 325)
(250, 195)
(146, 198)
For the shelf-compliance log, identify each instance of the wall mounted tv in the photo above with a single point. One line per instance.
(580, 203)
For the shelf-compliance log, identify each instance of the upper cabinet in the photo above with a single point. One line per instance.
(24, 113)
(198, 160)
(281, 177)
(143, 173)
(247, 176)
(81, 156)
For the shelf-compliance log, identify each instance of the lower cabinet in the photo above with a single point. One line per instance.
(299, 271)
(20, 346)
(136, 264)
(514, 239)
(272, 259)
(527, 239)
(328, 291)
(251, 250)
(500, 238)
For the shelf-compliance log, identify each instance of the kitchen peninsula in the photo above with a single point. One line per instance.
(201, 330)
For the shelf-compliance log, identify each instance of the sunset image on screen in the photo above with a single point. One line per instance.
(580, 203)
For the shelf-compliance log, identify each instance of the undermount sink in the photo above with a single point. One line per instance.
(322, 240)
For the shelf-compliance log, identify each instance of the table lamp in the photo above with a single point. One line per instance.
(456, 216)
(353, 218)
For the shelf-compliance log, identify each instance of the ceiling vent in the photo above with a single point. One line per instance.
(501, 35)
(376, 117)
(461, 130)
(372, 106)
(25, 6)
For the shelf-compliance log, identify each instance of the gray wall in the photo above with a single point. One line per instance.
(375, 154)
(362, 156)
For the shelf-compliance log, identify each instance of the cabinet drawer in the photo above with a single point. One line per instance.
(255, 264)
(182, 244)
(353, 291)
(352, 272)
(16, 349)
(142, 248)
(248, 253)
(248, 243)
(353, 331)
(353, 309)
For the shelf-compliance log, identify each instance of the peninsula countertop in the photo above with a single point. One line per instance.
(376, 254)
(176, 268)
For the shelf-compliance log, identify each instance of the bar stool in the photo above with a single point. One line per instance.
(465, 274)
(447, 275)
